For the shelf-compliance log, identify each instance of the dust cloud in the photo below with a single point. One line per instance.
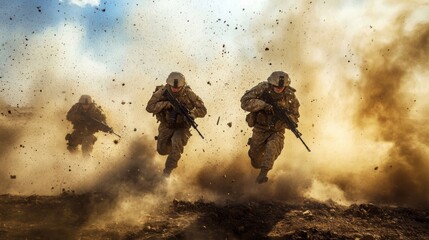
(360, 84)
(9, 135)
(391, 107)
(362, 90)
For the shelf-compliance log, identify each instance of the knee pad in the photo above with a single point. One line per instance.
(162, 151)
(255, 164)
(72, 149)
(68, 137)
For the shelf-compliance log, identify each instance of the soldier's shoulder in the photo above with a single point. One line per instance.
(191, 95)
(159, 87)
(291, 89)
(261, 87)
(188, 90)
(258, 89)
(97, 108)
(75, 107)
(263, 84)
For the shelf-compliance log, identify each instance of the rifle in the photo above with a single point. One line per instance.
(181, 109)
(105, 126)
(282, 115)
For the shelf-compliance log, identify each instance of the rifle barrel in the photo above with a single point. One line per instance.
(100, 122)
(308, 149)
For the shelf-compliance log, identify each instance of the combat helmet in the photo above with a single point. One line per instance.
(85, 99)
(279, 79)
(176, 80)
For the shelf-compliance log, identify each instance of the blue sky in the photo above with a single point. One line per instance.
(99, 23)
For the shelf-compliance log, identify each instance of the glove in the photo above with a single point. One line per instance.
(192, 114)
(106, 129)
(269, 109)
(168, 105)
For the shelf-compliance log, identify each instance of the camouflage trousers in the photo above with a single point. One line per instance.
(77, 137)
(171, 142)
(265, 147)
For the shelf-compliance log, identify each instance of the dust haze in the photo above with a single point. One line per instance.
(360, 81)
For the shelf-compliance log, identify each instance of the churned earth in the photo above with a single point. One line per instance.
(71, 216)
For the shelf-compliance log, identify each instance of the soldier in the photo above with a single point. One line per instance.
(267, 139)
(174, 130)
(87, 119)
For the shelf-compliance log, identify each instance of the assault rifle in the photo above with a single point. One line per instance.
(182, 110)
(103, 125)
(282, 115)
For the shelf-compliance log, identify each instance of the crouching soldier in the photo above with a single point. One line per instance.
(267, 139)
(175, 106)
(87, 119)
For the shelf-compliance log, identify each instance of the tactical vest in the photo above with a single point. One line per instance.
(171, 117)
(268, 120)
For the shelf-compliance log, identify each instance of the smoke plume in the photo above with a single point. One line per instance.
(391, 107)
(360, 81)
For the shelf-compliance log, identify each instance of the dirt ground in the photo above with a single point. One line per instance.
(77, 216)
(69, 216)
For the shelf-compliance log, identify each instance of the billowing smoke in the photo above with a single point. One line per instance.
(9, 135)
(393, 109)
(358, 83)
(364, 97)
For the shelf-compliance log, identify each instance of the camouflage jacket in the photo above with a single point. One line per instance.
(158, 105)
(82, 121)
(253, 102)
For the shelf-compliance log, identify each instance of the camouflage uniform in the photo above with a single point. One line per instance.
(84, 128)
(174, 131)
(267, 140)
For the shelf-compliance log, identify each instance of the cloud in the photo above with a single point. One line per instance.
(83, 3)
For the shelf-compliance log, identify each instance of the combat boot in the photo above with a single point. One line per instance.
(72, 149)
(166, 173)
(262, 177)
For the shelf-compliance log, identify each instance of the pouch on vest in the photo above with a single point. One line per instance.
(159, 116)
(251, 119)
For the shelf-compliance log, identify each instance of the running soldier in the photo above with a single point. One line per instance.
(261, 101)
(175, 117)
(87, 119)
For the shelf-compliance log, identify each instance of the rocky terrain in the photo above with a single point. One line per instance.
(70, 216)
(88, 215)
